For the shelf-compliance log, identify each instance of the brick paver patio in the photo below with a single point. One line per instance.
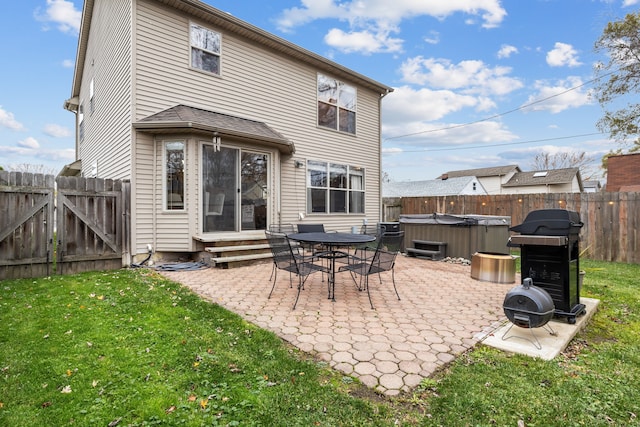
(442, 313)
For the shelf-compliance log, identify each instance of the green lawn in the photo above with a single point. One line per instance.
(130, 348)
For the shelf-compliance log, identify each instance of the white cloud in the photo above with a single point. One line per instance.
(471, 76)
(433, 37)
(56, 131)
(506, 51)
(375, 17)
(558, 97)
(627, 3)
(563, 54)
(30, 143)
(411, 114)
(62, 13)
(362, 41)
(405, 104)
(8, 120)
(68, 63)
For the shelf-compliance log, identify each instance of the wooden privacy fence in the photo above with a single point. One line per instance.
(611, 220)
(64, 225)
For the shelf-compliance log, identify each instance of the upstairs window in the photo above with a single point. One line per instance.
(336, 105)
(205, 49)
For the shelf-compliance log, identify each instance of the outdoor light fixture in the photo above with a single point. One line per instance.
(216, 141)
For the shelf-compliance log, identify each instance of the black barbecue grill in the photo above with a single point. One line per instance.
(549, 244)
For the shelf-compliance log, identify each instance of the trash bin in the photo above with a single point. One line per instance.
(550, 256)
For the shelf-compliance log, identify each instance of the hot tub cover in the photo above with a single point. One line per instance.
(460, 220)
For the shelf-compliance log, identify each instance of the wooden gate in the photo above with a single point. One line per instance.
(91, 219)
(84, 227)
(26, 225)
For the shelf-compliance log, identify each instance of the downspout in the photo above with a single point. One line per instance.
(380, 205)
(71, 105)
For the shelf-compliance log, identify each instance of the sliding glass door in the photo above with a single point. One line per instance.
(234, 189)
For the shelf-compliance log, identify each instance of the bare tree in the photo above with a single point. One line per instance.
(31, 168)
(563, 160)
(620, 80)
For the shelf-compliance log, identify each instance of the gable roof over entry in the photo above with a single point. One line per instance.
(183, 118)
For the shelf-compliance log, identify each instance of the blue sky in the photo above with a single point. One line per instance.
(478, 83)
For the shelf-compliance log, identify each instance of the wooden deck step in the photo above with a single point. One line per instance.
(239, 258)
(237, 248)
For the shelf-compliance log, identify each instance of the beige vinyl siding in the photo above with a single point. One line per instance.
(258, 84)
(171, 228)
(108, 62)
(143, 230)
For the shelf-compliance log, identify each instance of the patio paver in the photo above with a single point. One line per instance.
(442, 313)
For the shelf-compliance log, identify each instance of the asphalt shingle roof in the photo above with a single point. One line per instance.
(182, 116)
(483, 172)
(434, 187)
(549, 177)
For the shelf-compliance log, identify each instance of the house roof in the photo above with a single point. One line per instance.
(181, 117)
(233, 25)
(484, 172)
(548, 177)
(434, 187)
(592, 184)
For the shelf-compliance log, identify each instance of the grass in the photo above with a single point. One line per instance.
(130, 348)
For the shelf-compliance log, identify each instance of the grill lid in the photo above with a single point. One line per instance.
(550, 222)
(528, 306)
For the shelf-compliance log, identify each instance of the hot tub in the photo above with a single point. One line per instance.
(463, 234)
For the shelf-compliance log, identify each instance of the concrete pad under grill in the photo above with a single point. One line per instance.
(514, 339)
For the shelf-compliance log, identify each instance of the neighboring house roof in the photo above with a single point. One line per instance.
(234, 25)
(548, 177)
(483, 172)
(183, 116)
(434, 187)
(594, 184)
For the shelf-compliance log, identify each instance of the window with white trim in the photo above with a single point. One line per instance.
(81, 122)
(92, 106)
(174, 175)
(336, 104)
(205, 49)
(334, 188)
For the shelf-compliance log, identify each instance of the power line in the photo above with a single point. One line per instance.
(522, 107)
(502, 144)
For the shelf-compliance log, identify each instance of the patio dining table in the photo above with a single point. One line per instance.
(333, 244)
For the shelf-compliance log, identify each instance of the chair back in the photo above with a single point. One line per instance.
(372, 230)
(282, 228)
(310, 228)
(280, 249)
(389, 245)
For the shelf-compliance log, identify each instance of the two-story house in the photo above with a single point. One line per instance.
(222, 128)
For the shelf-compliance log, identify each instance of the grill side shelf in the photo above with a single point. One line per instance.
(539, 240)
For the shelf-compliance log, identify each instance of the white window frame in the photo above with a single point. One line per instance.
(211, 45)
(171, 203)
(336, 104)
(324, 183)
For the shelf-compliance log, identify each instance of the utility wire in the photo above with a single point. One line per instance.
(500, 145)
(522, 107)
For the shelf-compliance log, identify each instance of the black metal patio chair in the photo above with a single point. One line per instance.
(382, 259)
(285, 258)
